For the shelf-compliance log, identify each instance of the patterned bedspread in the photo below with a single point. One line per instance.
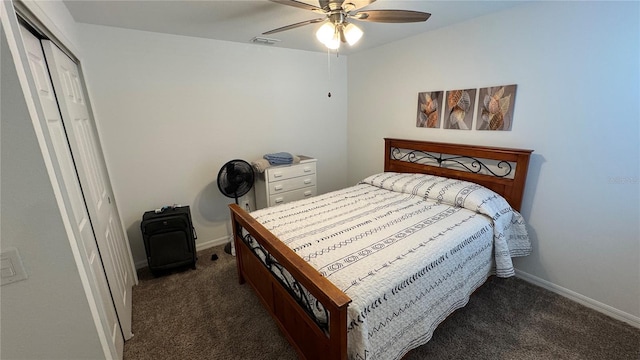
(408, 249)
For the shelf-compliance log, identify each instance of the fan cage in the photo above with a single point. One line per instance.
(235, 178)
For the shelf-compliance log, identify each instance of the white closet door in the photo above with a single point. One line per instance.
(74, 197)
(91, 168)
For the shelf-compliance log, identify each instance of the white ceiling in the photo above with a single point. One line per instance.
(241, 20)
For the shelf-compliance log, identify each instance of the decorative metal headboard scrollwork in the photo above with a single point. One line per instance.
(503, 170)
(472, 164)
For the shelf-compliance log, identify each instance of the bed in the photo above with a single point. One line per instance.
(369, 271)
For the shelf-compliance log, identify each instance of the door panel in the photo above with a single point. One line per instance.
(91, 169)
(74, 198)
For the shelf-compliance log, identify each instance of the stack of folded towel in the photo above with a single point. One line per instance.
(280, 158)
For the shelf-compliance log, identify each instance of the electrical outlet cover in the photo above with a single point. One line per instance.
(11, 267)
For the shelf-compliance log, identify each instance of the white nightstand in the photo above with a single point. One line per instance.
(286, 183)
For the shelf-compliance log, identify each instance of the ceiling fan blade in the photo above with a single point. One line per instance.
(298, 4)
(391, 16)
(293, 26)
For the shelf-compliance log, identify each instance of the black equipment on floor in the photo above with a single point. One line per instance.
(169, 238)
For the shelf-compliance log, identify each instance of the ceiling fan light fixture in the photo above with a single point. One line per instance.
(326, 32)
(329, 35)
(352, 34)
(334, 42)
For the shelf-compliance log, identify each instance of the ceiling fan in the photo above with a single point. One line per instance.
(337, 29)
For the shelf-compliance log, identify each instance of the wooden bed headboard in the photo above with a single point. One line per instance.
(467, 162)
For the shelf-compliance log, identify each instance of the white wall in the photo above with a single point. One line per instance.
(576, 65)
(171, 110)
(47, 315)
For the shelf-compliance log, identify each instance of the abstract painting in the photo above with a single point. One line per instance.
(460, 106)
(429, 104)
(495, 108)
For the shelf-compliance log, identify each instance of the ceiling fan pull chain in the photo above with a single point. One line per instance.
(329, 70)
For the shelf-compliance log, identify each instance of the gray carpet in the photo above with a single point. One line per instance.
(205, 314)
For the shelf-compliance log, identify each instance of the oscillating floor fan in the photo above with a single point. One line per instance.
(235, 179)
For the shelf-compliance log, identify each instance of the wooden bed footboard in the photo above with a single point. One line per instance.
(313, 337)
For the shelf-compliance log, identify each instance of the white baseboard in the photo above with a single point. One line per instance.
(199, 246)
(140, 264)
(581, 299)
(211, 243)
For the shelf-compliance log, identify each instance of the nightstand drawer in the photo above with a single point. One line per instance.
(288, 172)
(278, 187)
(292, 196)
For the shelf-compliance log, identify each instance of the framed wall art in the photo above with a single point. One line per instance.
(459, 111)
(495, 108)
(429, 105)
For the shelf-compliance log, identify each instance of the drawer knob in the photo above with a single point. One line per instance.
(307, 193)
(278, 200)
(277, 187)
(277, 174)
(307, 169)
(307, 181)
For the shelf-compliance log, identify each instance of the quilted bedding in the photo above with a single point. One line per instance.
(408, 249)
